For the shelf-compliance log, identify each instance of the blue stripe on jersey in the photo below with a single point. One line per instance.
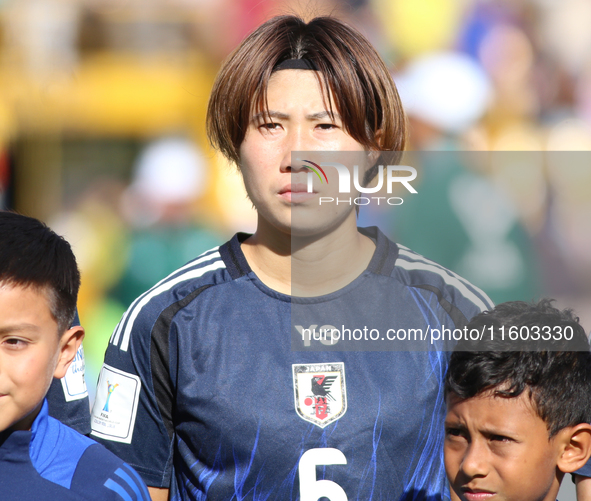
(138, 481)
(373, 464)
(419, 479)
(425, 308)
(206, 476)
(430, 463)
(131, 483)
(115, 487)
(241, 476)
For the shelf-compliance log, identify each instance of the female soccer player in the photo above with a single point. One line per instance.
(224, 388)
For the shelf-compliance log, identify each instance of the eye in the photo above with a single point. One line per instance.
(500, 438)
(15, 343)
(453, 432)
(271, 126)
(328, 126)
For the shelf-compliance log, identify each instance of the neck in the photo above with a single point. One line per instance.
(26, 423)
(308, 265)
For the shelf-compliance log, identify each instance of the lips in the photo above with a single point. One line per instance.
(295, 188)
(297, 193)
(477, 494)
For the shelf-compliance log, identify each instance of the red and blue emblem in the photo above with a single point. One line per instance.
(320, 392)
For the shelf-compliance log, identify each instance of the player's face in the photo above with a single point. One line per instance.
(298, 121)
(497, 449)
(29, 354)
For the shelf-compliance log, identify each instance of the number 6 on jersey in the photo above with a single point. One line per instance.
(312, 489)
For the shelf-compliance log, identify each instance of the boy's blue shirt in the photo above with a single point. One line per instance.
(52, 461)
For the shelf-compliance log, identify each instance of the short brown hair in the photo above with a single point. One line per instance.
(363, 90)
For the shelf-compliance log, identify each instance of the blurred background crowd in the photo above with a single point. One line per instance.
(102, 112)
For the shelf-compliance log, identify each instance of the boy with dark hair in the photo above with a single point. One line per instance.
(517, 421)
(40, 458)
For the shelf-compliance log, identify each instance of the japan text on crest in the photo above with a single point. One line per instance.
(320, 392)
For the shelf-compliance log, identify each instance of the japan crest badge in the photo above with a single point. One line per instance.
(320, 392)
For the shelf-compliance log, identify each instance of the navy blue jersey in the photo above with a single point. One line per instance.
(204, 390)
(53, 462)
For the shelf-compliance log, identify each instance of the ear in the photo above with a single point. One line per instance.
(379, 135)
(576, 447)
(68, 346)
(374, 155)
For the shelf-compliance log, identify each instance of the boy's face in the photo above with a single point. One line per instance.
(31, 352)
(498, 449)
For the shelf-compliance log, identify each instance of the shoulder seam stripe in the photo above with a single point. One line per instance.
(201, 259)
(449, 280)
(458, 318)
(128, 480)
(115, 487)
(413, 257)
(160, 358)
(126, 323)
(138, 479)
(159, 290)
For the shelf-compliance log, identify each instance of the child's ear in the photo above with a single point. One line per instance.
(68, 346)
(577, 448)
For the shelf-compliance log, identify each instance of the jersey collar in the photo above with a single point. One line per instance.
(382, 261)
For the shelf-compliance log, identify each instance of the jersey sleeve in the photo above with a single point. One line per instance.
(460, 299)
(132, 412)
(102, 476)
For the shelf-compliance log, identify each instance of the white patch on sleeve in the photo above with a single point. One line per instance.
(115, 406)
(73, 383)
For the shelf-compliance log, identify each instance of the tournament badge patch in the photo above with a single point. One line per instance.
(320, 392)
(115, 405)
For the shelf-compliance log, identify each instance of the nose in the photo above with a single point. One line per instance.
(475, 461)
(293, 142)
